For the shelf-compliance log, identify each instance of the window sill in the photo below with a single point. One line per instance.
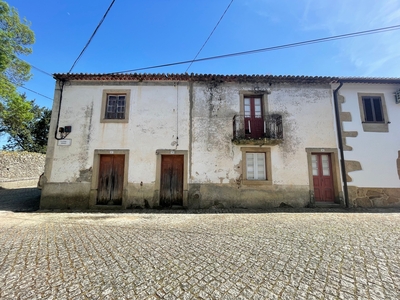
(375, 127)
(257, 182)
(114, 121)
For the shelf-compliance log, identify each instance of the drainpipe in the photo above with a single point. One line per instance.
(59, 110)
(340, 140)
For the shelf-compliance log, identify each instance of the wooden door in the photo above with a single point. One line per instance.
(111, 180)
(322, 177)
(171, 190)
(253, 117)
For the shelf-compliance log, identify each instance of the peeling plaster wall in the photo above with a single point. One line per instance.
(376, 152)
(307, 113)
(307, 120)
(202, 118)
(158, 112)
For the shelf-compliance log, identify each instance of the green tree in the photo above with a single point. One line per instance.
(16, 39)
(28, 134)
(17, 114)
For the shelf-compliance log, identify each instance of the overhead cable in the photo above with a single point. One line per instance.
(44, 72)
(35, 92)
(93, 34)
(274, 48)
(209, 37)
(21, 86)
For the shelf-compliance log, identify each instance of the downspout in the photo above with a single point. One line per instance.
(340, 141)
(59, 110)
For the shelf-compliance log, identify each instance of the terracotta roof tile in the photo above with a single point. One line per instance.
(240, 78)
(194, 77)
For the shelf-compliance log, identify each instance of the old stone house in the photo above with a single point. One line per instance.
(149, 140)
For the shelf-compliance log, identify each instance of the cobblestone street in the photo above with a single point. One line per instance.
(275, 255)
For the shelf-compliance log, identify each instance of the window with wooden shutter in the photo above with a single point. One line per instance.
(373, 109)
(373, 112)
(115, 106)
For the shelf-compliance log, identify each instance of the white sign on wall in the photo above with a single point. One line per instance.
(64, 142)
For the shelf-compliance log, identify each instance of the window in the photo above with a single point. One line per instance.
(373, 112)
(115, 106)
(372, 109)
(256, 165)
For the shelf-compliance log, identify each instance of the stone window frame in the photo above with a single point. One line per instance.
(251, 93)
(268, 165)
(373, 126)
(107, 92)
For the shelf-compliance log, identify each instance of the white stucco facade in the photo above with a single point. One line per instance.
(371, 154)
(191, 117)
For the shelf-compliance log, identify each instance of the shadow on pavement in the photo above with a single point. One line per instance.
(20, 199)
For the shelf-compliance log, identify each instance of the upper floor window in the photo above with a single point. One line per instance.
(372, 109)
(373, 112)
(115, 106)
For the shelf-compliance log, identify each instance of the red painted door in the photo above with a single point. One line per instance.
(111, 180)
(253, 117)
(171, 190)
(322, 177)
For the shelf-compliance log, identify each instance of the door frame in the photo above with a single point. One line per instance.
(337, 186)
(95, 177)
(160, 153)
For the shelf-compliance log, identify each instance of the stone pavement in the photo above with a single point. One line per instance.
(274, 255)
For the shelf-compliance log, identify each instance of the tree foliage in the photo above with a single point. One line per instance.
(27, 134)
(16, 39)
(25, 122)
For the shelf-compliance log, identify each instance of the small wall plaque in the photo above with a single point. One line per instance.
(64, 142)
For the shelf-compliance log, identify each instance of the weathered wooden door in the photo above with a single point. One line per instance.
(111, 180)
(322, 177)
(253, 117)
(171, 190)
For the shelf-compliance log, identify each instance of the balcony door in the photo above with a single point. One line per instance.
(253, 117)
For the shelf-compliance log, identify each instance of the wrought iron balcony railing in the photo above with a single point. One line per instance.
(267, 129)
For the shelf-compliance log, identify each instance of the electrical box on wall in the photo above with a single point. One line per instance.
(397, 96)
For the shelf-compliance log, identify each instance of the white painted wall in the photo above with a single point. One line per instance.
(307, 119)
(157, 114)
(376, 151)
(159, 110)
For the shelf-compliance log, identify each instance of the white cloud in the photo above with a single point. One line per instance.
(371, 55)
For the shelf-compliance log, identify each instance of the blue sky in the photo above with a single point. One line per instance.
(145, 33)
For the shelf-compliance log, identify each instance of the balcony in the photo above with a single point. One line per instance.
(258, 130)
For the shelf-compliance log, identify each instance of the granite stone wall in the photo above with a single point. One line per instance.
(20, 168)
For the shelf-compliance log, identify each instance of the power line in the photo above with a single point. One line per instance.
(44, 72)
(209, 37)
(298, 44)
(21, 86)
(35, 92)
(93, 34)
